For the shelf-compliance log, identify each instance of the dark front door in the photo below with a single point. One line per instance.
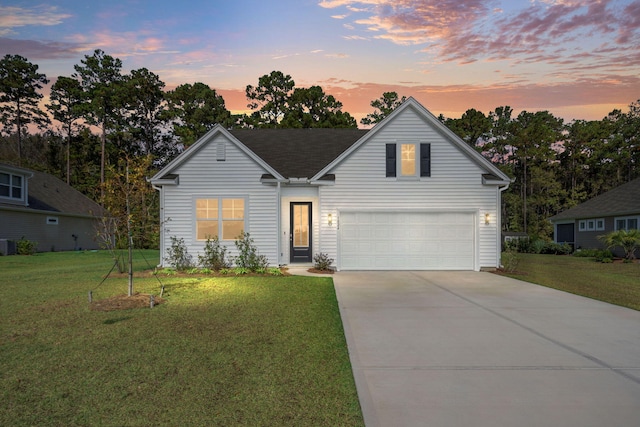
(300, 235)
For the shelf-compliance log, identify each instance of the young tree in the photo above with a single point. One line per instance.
(66, 97)
(270, 98)
(194, 110)
(384, 106)
(19, 85)
(101, 79)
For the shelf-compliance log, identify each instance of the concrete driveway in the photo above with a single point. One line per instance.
(477, 349)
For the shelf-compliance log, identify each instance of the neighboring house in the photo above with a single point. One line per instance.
(42, 208)
(407, 194)
(617, 209)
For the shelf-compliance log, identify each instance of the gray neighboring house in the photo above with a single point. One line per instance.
(617, 209)
(42, 208)
(407, 194)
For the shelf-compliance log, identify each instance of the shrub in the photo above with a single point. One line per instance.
(178, 255)
(510, 259)
(628, 240)
(322, 261)
(26, 247)
(248, 256)
(215, 255)
(605, 256)
(275, 271)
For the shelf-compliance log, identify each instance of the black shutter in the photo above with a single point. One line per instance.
(425, 159)
(391, 160)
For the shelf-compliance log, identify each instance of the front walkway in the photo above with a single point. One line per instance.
(477, 349)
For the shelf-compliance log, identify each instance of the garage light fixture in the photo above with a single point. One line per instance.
(487, 218)
(330, 219)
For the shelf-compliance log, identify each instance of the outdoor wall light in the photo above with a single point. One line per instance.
(330, 219)
(487, 218)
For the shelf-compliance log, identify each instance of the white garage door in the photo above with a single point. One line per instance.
(407, 241)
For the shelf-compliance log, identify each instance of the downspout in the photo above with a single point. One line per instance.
(161, 206)
(499, 225)
(279, 222)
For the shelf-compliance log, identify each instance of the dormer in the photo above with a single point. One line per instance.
(14, 185)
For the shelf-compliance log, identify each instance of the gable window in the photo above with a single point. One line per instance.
(627, 223)
(591, 224)
(410, 159)
(11, 186)
(221, 217)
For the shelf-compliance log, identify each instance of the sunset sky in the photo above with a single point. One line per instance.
(579, 59)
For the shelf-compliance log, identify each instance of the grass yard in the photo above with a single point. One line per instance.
(226, 351)
(613, 283)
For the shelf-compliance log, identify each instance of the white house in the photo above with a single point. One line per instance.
(406, 195)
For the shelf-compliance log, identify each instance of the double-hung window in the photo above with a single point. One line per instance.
(219, 217)
(407, 160)
(627, 223)
(11, 186)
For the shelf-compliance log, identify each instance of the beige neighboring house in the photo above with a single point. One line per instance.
(44, 209)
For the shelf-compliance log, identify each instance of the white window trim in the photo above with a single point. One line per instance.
(23, 180)
(416, 160)
(591, 224)
(626, 221)
(220, 218)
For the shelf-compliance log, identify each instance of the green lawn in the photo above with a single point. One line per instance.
(614, 283)
(220, 351)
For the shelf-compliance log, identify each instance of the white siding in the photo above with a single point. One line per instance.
(455, 185)
(202, 175)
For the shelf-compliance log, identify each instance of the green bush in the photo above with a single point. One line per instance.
(215, 255)
(510, 259)
(248, 257)
(178, 255)
(322, 261)
(26, 247)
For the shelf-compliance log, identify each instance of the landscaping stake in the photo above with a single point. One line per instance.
(90, 296)
(151, 301)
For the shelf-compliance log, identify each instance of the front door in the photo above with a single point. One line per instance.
(300, 235)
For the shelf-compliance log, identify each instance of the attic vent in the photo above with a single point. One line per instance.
(220, 151)
(52, 220)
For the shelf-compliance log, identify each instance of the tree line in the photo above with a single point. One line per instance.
(103, 131)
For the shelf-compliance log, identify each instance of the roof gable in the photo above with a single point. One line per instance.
(204, 141)
(622, 200)
(411, 103)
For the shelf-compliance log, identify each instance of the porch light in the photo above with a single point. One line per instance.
(330, 219)
(487, 218)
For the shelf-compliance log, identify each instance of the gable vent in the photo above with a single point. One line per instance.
(221, 151)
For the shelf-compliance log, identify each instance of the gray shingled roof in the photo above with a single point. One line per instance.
(622, 200)
(298, 153)
(48, 193)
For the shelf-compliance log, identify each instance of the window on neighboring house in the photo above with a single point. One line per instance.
(627, 223)
(412, 160)
(11, 186)
(591, 224)
(221, 217)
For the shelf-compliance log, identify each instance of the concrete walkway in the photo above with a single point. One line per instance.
(477, 349)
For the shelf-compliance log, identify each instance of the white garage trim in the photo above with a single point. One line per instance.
(408, 240)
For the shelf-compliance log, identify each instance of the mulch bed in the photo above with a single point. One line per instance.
(316, 271)
(125, 302)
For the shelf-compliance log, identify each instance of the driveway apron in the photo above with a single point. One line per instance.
(479, 349)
